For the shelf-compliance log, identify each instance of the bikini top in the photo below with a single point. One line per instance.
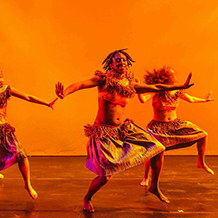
(116, 89)
(167, 100)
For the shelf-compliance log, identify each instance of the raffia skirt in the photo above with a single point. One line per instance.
(111, 150)
(176, 134)
(10, 149)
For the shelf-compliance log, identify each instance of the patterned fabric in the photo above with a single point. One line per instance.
(10, 149)
(117, 84)
(5, 94)
(175, 134)
(167, 100)
(111, 150)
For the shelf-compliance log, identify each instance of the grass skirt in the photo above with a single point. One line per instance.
(175, 134)
(10, 149)
(111, 150)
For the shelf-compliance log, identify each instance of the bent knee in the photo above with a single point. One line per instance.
(105, 179)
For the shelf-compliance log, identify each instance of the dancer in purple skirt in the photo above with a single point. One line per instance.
(166, 127)
(11, 151)
(117, 144)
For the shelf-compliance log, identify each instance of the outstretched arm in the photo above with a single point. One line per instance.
(143, 88)
(192, 99)
(146, 96)
(62, 93)
(31, 98)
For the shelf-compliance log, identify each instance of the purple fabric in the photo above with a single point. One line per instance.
(10, 149)
(108, 154)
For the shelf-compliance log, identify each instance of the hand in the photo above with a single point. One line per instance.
(186, 84)
(52, 103)
(208, 96)
(59, 90)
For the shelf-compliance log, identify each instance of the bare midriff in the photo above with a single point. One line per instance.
(166, 115)
(111, 112)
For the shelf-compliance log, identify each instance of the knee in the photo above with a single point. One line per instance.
(157, 161)
(105, 179)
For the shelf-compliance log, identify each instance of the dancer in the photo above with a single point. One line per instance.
(166, 127)
(116, 144)
(11, 151)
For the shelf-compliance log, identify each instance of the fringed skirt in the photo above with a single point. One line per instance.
(111, 150)
(10, 149)
(176, 134)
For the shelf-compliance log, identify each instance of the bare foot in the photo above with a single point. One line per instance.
(87, 206)
(33, 194)
(159, 194)
(1, 176)
(144, 182)
(205, 167)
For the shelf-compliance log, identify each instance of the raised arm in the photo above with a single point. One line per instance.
(192, 99)
(31, 98)
(62, 93)
(143, 88)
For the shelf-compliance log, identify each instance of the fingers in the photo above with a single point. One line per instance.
(59, 86)
(59, 89)
(190, 85)
(190, 76)
(187, 85)
(208, 95)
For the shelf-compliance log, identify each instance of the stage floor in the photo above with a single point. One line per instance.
(62, 182)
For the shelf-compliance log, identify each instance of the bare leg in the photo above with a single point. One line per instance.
(144, 182)
(96, 184)
(1, 176)
(201, 146)
(156, 166)
(24, 169)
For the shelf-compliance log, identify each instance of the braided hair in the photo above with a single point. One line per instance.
(109, 59)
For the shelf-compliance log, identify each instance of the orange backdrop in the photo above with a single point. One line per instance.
(43, 42)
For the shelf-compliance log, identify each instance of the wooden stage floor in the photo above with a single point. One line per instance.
(62, 182)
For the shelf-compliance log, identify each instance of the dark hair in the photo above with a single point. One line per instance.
(108, 60)
(163, 75)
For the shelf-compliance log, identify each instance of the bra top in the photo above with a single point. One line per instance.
(116, 84)
(167, 100)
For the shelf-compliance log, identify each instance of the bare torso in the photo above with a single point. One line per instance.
(111, 109)
(165, 107)
(164, 115)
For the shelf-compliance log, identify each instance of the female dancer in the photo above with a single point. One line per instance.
(171, 131)
(117, 144)
(11, 151)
